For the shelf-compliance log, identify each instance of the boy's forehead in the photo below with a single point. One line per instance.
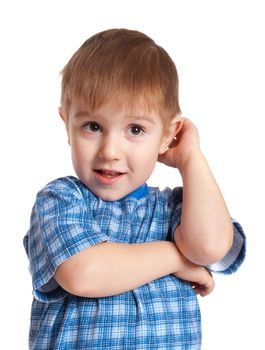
(136, 107)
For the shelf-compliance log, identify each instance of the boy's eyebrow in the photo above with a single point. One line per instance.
(81, 114)
(141, 118)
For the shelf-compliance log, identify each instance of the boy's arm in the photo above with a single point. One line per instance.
(205, 233)
(111, 268)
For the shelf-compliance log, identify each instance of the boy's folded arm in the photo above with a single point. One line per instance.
(109, 268)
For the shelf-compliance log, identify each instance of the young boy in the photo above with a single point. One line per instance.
(116, 264)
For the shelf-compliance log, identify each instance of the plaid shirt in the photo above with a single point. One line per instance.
(162, 314)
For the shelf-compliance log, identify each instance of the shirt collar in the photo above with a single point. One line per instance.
(139, 193)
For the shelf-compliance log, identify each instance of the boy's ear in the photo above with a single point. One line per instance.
(64, 118)
(62, 114)
(172, 131)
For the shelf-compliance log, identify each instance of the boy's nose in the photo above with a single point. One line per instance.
(110, 148)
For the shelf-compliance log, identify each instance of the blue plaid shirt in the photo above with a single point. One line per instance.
(162, 314)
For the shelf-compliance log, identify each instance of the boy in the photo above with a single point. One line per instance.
(111, 259)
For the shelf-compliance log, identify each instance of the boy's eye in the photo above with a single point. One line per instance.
(92, 127)
(136, 130)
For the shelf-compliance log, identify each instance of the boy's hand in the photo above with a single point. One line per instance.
(185, 144)
(199, 277)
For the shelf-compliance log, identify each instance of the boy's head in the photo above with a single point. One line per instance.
(123, 66)
(119, 103)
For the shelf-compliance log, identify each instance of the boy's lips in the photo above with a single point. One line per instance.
(108, 177)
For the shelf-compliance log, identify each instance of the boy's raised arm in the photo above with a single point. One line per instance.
(205, 233)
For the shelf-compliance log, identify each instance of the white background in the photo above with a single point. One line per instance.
(218, 48)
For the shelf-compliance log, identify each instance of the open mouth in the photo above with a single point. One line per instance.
(108, 176)
(108, 173)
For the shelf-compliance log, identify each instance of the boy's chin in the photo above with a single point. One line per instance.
(109, 196)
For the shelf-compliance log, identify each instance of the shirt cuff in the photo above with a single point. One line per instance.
(235, 257)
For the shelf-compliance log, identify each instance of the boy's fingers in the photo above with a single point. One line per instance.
(203, 290)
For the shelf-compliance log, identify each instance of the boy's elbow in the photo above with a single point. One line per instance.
(81, 290)
(216, 249)
(213, 253)
(74, 285)
(76, 278)
(208, 251)
(207, 254)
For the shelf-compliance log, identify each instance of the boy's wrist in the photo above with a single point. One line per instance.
(180, 262)
(189, 157)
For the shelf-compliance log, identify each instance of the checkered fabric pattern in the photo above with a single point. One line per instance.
(163, 314)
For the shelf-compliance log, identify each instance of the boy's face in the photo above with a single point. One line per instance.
(114, 151)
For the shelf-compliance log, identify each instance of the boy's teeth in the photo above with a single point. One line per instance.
(109, 172)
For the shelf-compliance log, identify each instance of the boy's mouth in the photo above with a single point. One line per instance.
(108, 173)
(108, 176)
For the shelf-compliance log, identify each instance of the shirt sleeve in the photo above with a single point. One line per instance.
(174, 208)
(61, 226)
(236, 255)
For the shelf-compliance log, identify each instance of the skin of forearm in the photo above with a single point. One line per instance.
(111, 268)
(205, 234)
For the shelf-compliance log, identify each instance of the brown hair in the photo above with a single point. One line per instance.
(126, 66)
